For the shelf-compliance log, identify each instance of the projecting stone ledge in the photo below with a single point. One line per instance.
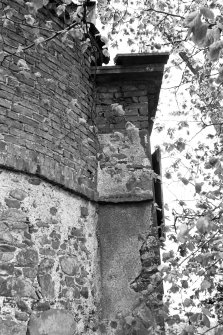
(127, 198)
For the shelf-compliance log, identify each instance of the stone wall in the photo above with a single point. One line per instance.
(138, 98)
(46, 104)
(48, 259)
(129, 242)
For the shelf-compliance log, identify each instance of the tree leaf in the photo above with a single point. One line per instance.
(214, 51)
(39, 40)
(37, 4)
(29, 19)
(184, 283)
(199, 33)
(9, 12)
(206, 311)
(190, 19)
(82, 120)
(180, 145)
(198, 187)
(187, 302)
(206, 321)
(205, 285)
(207, 13)
(185, 181)
(61, 9)
(22, 64)
(202, 225)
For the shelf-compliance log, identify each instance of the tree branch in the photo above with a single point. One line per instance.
(164, 13)
(44, 41)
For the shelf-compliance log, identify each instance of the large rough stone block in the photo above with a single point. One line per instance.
(52, 322)
(27, 258)
(16, 287)
(14, 219)
(9, 327)
(69, 265)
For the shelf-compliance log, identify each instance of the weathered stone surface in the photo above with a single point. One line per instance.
(28, 243)
(47, 286)
(14, 218)
(55, 244)
(6, 237)
(18, 272)
(23, 306)
(9, 327)
(6, 269)
(47, 252)
(34, 181)
(27, 258)
(124, 172)
(21, 316)
(12, 203)
(41, 224)
(3, 226)
(18, 194)
(53, 210)
(7, 248)
(52, 322)
(41, 306)
(45, 266)
(84, 292)
(78, 232)
(69, 265)
(120, 253)
(6, 256)
(84, 211)
(17, 287)
(29, 272)
(69, 281)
